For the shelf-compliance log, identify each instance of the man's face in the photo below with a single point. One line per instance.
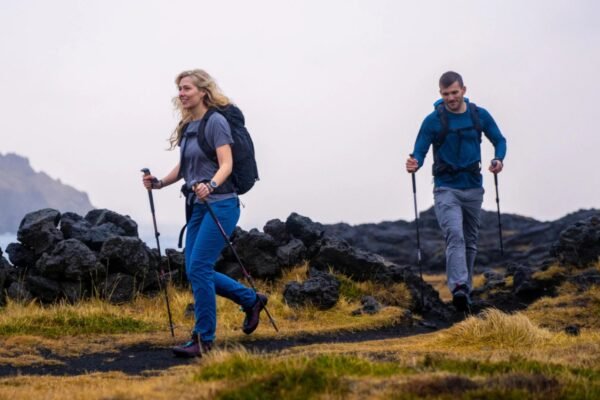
(453, 96)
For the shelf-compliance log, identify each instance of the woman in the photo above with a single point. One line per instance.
(208, 179)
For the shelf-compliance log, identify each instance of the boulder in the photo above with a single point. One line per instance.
(579, 244)
(304, 228)
(20, 255)
(524, 286)
(71, 260)
(277, 230)
(38, 230)
(19, 292)
(77, 227)
(5, 269)
(174, 264)
(128, 255)
(4, 262)
(355, 263)
(291, 254)
(257, 251)
(102, 216)
(369, 305)
(425, 299)
(493, 280)
(75, 291)
(118, 288)
(321, 289)
(44, 289)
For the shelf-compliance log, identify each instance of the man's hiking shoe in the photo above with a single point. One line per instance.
(193, 348)
(461, 298)
(253, 314)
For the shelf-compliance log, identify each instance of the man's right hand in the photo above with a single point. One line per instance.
(412, 165)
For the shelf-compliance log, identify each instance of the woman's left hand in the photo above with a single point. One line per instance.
(202, 191)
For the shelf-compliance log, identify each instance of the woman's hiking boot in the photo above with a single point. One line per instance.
(193, 348)
(253, 314)
(461, 298)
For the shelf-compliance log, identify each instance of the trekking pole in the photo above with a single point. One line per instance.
(237, 257)
(146, 172)
(498, 207)
(414, 188)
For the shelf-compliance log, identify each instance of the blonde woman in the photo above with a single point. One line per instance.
(200, 103)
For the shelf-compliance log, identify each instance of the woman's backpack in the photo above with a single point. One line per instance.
(245, 170)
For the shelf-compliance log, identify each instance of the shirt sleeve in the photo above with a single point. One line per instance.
(492, 132)
(424, 140)
(218, 132)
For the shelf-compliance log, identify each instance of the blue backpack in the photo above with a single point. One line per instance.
(440, 167)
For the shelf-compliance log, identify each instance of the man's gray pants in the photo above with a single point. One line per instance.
(458, 213)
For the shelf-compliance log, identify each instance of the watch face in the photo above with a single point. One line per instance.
(213, 184)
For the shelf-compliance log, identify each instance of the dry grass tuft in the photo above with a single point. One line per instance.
(496, 329)
(568, 308)
(552, 272)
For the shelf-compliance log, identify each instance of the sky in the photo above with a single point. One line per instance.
(333, 91)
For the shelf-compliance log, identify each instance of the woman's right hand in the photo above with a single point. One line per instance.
(202, 190)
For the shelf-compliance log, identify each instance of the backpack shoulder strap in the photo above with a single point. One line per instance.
(183, 129)
(202, 142)
(443, 117)
(474, 111)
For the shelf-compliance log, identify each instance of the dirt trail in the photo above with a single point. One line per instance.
(146, 358)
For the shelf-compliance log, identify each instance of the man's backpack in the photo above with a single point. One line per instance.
(439, 166)
(442, 114)
(245, 171)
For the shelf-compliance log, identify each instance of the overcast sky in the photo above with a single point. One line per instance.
(333, 92)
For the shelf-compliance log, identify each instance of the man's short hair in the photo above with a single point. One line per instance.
(448, 78)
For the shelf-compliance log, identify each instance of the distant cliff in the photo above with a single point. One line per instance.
(23, 190)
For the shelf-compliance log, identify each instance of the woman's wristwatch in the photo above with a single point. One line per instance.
(212, 185)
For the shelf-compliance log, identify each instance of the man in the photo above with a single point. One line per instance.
(454, 129)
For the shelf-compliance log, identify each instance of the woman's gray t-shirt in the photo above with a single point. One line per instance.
(196, 166)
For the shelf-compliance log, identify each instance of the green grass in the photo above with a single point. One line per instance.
(514, 365)
(302, 377)
(291, 378)
(517, 378)
(349, 289)
(68, 322)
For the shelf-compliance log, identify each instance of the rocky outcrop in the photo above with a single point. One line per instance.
(266, 254)
(66, 256)
(526, 240)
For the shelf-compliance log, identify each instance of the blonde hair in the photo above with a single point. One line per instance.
(214, 98)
